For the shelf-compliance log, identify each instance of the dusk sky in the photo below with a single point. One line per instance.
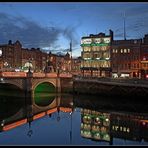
(51, 25)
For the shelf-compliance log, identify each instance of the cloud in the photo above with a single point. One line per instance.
(31, 34)
(69, 33)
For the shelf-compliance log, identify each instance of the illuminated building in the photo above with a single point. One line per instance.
(35, 57)
(76, 66)
(13, 56)
(144, 58)
(125, 58)
(64, 63)
(52, 58)
(96, 54)
(10, 55)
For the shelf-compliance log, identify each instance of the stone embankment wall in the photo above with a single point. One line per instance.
(66, 85)
(109, 88)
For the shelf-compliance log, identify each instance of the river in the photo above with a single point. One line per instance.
(64, 119)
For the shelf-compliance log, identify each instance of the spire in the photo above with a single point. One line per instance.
(71, 53)
(70, 46)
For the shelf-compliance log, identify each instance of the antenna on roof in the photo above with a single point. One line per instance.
(124, 26)
(96, 30)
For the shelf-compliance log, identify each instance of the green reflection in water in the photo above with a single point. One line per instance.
(11, 100)
(44, 99)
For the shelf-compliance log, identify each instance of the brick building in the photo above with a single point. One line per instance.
(129, 58)
(14, 57)
(10, 55)
(144, 57)
(125, 58)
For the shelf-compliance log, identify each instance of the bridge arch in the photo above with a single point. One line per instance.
(45, 86)
(52, 104)
(44, 93)
(11, 88)
(14, 82)
(38, 82)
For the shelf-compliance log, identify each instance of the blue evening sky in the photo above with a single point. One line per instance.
(51, 25)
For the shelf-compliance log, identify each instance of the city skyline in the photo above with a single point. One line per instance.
(52, 25)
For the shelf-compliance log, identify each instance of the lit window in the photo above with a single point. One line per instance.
(124, 129)
(121, 50)
(128, 130)
(116, 50)
(144, 58)
(128, 50)
(113, 50)
(125, 51)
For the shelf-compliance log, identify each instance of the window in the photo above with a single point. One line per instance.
(86, 48)
(121, 50)
(125, 51)
(129, 65)
(128, 50)
(137, 65)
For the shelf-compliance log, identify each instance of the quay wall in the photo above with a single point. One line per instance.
(109, 88)
(66, 85)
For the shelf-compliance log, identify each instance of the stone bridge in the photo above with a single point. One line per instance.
(29, 81)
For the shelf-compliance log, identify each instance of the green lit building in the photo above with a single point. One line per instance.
(96, 54)
(95, 125)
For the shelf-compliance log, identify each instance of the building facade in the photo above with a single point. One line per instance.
(125, 58)
(96, 54)
(129, 58)
(144, 58)
(10, 56)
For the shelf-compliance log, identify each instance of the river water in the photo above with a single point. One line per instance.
(65, 119)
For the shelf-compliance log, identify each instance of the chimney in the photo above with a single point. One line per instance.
(9, 42)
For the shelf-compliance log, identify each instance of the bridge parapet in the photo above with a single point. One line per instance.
(13, 74)
(34, 75)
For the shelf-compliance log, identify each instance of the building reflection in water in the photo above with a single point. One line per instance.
(96, 123)
(102, 125)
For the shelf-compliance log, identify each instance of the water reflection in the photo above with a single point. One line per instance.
(12, 99)
(44, 99)
(77, 120)
(98, 123)
(95, 125)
